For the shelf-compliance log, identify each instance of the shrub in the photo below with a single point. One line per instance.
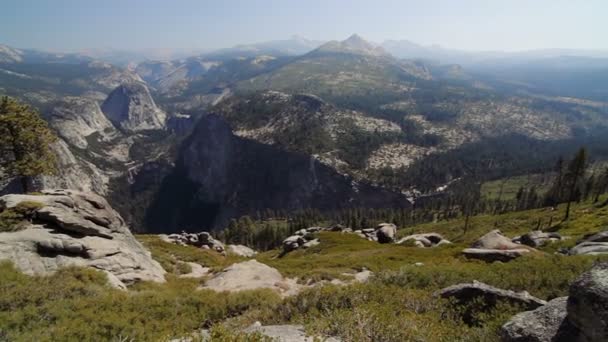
(13, 219)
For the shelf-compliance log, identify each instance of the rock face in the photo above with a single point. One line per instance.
(251, 275)
(220, 176)
(76, 118)
(131, 107)
(425, 240)
(588, 303)
(495, 247)
(546, 324)
(71, 228)
(464, 293)
(386, 232)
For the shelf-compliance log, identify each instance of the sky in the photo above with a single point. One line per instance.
(498, 25)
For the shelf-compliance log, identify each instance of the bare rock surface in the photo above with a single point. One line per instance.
(131, 107)
(198, 271)
(71, 228)
(286, 333)
(241, 250)
(251, 275)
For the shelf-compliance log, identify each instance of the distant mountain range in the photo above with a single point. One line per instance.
(347, 117)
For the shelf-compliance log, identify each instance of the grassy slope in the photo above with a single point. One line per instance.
(397, 305)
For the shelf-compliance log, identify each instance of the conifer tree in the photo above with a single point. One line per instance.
(25, 141)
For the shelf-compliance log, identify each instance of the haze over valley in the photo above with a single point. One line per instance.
(344, 183)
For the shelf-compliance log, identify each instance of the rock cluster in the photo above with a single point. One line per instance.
(495, 247)
(593, 244)
(70, 228)
(583, 316)
(537, 238)
(202, 240)
(425, 240)
(305, 238)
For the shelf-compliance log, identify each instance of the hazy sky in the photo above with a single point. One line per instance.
(201, 24)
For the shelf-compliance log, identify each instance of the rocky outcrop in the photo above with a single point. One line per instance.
(582, 316)
(495, 247)
(425, 240)
(251, 275)
(489, 295)
(588, 303)
(303, 238)
(71, 228)
(202, 240)
(131, 107)
(547, 323)
(537, 238)
(386, 232)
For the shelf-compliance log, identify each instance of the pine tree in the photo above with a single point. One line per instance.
(574, 174)
(25, 140)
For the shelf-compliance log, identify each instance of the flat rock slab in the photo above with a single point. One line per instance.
(589, 248)
(466, 292)
(491, 255)
(286, 333)
(251, 275)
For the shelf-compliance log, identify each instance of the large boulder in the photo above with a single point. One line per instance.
(495, 240)
(241, 250)
(494, 246)
(386, 232)
(251, 275)
(71, 228)
(588, 303)
(547, 323)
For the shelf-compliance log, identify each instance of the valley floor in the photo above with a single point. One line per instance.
(396, 304)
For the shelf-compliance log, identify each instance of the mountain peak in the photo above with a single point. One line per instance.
(354, 44)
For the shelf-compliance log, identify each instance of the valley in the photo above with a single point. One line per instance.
(298, 190)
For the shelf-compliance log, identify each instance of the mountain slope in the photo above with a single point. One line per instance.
(221, 176)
